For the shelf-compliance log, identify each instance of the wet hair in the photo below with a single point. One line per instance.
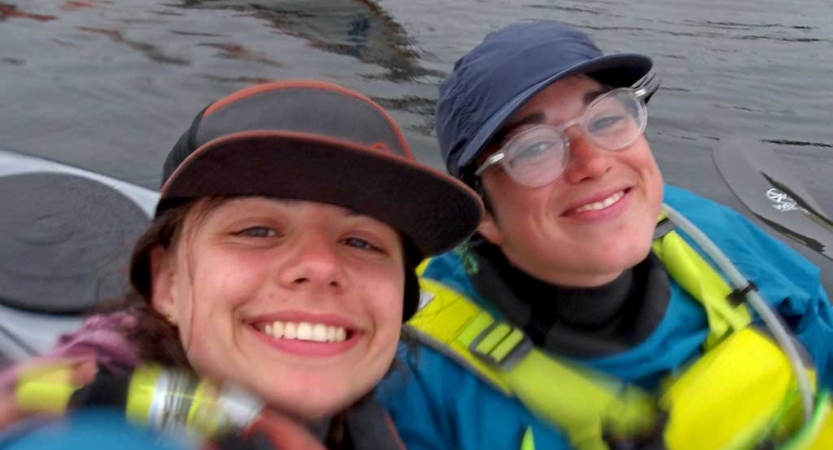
(156, 339)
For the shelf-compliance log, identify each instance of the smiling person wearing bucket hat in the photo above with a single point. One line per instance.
(282, 260)
(557, 326)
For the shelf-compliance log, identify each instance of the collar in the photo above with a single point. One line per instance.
(574, 321)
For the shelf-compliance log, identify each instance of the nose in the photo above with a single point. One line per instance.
(587, 160)
(312, 261)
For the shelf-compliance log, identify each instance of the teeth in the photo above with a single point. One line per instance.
(305, 331)
(319, 333)
(290, 331)
(595, 206)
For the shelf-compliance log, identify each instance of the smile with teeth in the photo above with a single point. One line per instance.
(596, 206)
(305, 331)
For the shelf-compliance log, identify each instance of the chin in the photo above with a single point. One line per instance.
(314, 404)
(623, 255)
(313, 397)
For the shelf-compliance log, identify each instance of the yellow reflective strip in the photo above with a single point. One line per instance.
(493, 338)
(528, 441)
(474, 328)
(508, 344)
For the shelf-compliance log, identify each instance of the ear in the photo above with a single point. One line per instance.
(163, 275)
(490, 230)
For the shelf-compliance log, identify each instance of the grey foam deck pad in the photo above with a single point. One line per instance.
(65, 241)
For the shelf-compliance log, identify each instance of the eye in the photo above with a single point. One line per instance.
(606, 123)
(257, 232)
(360, 243)
(531, 153)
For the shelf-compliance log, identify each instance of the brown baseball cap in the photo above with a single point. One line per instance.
(316, 141)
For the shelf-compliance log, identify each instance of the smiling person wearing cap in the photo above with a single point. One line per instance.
(282, 257)
(574, 333)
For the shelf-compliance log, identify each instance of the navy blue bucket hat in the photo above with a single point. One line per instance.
(508, 68)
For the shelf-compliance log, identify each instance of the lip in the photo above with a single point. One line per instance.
(570, 209)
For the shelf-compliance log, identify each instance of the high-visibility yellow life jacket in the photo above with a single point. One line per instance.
(742, 371)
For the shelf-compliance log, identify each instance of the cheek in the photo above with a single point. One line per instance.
(513, 202)
(207, 298)
(385, 299)
(644, 162)
(653, 180)
(228, 279)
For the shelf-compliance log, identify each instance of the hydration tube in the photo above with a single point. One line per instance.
(781, 335)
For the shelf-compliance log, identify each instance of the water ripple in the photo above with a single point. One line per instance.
(798, 143)
(151, 51)
(10, 11)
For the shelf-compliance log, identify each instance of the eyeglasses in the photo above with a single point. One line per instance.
(539, 155)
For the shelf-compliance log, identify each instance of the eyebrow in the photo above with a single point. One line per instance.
(539, 117)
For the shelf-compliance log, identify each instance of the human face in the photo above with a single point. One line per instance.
(255, 284)
(594, 221)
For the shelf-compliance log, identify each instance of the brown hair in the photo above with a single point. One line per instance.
(156, 339)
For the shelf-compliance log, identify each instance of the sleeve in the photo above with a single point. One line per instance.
(814, 328)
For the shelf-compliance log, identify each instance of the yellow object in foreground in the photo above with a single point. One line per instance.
(45, 388)
(737, 393)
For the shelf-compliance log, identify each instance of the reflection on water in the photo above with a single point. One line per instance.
(357, 28)
(240, 52)
(111, 84)
(150, 51)
(9, 11)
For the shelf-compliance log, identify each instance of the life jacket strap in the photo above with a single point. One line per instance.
(498, 343)
(502, 355)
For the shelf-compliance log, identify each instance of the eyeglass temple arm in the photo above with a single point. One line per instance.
(647, 85)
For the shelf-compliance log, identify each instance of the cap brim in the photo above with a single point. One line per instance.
(618, 70)
(431, 208)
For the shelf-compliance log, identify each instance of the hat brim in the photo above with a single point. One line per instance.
(432, 209)
(618, 70)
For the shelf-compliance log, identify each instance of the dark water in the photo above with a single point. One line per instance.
(110, 84)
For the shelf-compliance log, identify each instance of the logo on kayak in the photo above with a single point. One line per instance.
(781, 201)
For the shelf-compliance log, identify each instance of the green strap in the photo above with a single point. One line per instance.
(701, 281)
(607, 405)
(528, 441)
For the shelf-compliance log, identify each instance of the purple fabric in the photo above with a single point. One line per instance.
(102, 337)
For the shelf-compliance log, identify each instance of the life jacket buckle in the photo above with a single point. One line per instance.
(501, 345)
